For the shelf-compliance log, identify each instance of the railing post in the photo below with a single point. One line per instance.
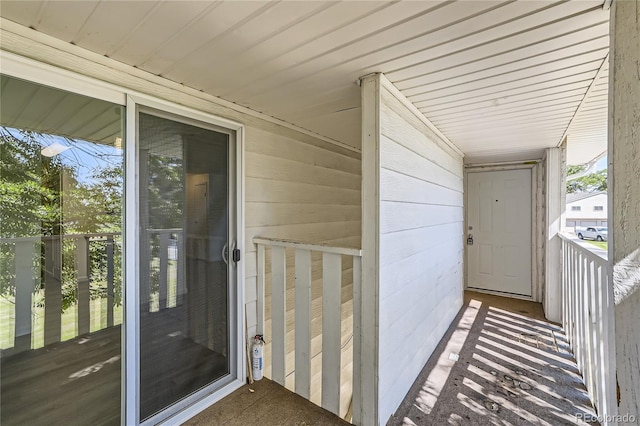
(278, 313)
(357, 417)
(24, 253)
(303, 323)
(52, 289)
(83, 271)
(110, 280)
(331, 330)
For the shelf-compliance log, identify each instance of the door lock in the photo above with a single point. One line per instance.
(470, 240)
(235, 255)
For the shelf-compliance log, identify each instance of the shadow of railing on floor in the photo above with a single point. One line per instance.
(510, 369)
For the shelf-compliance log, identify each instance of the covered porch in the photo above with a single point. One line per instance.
(183, 176)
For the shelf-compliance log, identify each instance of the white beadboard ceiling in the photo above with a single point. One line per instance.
(501, 79)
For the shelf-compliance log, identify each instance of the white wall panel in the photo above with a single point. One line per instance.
(419, 243)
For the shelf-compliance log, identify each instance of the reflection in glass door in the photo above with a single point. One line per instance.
(184, 270)
(61, 198)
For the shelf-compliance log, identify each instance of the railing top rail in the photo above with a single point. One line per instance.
(578, 244)
(307, 246)
(50, 237)
(161, 230)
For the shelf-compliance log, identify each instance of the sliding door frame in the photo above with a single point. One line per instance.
(182, 410)
(38, 72)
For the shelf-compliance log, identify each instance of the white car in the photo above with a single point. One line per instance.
(593, 233)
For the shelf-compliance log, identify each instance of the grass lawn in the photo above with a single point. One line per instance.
(69, 326)
(600, 244)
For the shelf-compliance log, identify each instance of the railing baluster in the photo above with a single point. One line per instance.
(163, 282)
(597, 335)
(110, 280)
(580, 324)
(181, 282)
(25, 284)
(564, 285)
(331, 330)
(52, 290)
(83, 271)
(278, 313)
(588, 325)
(608, 339)
(303, 323)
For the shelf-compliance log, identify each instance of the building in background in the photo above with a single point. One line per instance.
(586, 209)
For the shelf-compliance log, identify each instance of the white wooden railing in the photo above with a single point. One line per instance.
(588, 320)
(331, 317)
(168, 262)
(27, 278)
(170, 244)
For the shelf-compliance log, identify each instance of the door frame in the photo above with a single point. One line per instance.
(537, 225)
(192, 405)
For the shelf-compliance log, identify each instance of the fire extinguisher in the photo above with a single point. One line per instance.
(257, 351)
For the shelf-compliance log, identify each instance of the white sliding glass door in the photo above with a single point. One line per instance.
(187, 234)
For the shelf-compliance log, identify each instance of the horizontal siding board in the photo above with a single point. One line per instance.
(309, 232)
(401, 216)
(396, 277)
(271, 191)
(257, 214)
(396, 128)
(400, 245)
(395, 186)
(396, 157)
(430, 297)
(423, 289)
(275, 145)
(304, 170)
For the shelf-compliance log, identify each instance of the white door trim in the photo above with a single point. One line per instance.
(537, 252)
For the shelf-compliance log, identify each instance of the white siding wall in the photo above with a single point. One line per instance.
(421, 247)
(587, 208)
(297, 186)
(624, 193)
(300, 191)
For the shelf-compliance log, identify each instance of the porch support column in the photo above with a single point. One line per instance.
(624, 198)
(367, 406)
(555, 182)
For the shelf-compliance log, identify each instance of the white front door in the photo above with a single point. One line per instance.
(499, 231)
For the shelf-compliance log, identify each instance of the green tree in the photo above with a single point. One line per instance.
(572, 170)
(42, 196)
(592, 182)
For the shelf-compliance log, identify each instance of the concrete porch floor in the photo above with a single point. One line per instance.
(268, 405)
(513, 368)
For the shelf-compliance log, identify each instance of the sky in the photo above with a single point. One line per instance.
(601, 164)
